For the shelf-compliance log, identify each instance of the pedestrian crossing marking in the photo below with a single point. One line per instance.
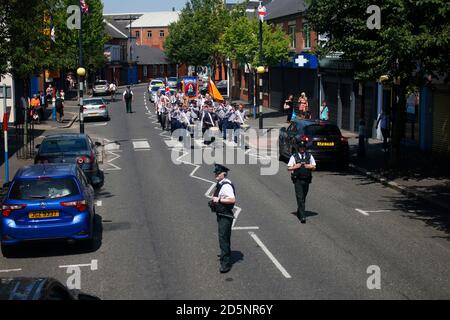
(141, 145)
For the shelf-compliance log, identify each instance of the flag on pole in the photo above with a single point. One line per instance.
(214, 92)
(84, 7)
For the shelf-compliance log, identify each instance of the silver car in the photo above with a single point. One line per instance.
(95, 108)
(101, 87)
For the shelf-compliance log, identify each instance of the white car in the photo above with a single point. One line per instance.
(95, 108)
(156, 83)
(153, 92)
(101, 87)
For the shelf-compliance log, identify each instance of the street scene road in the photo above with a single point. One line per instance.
(224, 150)
(157, 239)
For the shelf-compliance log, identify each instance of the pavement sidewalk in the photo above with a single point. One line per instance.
(419, 175)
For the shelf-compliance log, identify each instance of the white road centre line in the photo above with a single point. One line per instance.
(270, 255)
(10, 270)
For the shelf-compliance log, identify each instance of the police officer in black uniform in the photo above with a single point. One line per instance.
(301, 164)
(222, 203)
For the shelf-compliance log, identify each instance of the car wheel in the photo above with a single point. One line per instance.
(7, 250)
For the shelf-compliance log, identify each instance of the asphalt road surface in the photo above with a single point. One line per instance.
(157, 239)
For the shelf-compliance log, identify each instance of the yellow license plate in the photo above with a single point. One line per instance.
(325, 144)
(43, 214)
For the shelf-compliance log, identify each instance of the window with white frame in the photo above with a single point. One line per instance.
(306, 36)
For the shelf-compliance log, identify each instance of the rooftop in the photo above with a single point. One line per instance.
(155, 19)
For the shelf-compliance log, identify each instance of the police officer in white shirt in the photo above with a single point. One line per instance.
(222, 203)
(301, 164)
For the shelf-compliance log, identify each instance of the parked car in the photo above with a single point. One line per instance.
(95, 108)
(101, 87)
(72, 148)
(21, 288)
(163, 90)
(153, 92)
(172, 82)
(47, 201)
(323, 140)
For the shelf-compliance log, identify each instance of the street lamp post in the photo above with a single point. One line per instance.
(81, 72)
(261, 69)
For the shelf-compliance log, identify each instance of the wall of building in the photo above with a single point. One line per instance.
(155, 41)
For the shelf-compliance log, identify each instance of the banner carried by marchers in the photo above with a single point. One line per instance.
(214, 92)
(190, 87)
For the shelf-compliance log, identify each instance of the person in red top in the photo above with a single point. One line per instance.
(303, 106)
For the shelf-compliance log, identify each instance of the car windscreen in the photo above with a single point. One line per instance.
(322, 130)
(93, 101)
(100, 83)
(63, 146)
(44, 188)
(155, 88)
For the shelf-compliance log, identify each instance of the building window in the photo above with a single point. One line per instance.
(292, 36)
(306, 36)
(149, 34)
(161, 33)
(138, 34)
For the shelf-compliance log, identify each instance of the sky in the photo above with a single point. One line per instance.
(120, 6)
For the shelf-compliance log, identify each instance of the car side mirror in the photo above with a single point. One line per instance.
(98, 144)
(37, 146)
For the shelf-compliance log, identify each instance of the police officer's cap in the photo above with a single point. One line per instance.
(218, 168)
(301, 144)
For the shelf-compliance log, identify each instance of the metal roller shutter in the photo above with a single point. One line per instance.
(441, 123)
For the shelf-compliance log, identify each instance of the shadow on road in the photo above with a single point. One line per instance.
(236, 256)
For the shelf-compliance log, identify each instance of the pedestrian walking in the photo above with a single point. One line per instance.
(303, 106)
(383, 124)
(362, 138)
(222, 203)
(289, 107)
(324, 112)
(128, 98)
(301, 164)
(59, 104)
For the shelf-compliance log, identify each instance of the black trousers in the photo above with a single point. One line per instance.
(225, 224)
(128, 104)
(301, 191)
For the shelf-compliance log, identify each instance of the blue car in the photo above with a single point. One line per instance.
(47, 201)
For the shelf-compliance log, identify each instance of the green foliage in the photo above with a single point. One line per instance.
(414, 38)
(26, 45)
(193, 38)
(240, 42)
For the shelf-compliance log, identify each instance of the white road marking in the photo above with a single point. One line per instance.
(245, 228)
(270, 255)
(114, 167)
(362, 212)
(141, 145)
(99, 203)
(10, 270)
(93, 265)
(366, 212)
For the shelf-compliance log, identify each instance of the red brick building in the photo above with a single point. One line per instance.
(152, 28)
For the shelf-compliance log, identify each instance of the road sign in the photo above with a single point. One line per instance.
(262, 11)
(306, 60)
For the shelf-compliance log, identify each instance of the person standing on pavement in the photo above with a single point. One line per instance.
(303, 106)
(383, 123)
(43, 101)
(301, 164)
(324, 112)
(59, 104)
(289, 107)
(128, 98)
(222, 203)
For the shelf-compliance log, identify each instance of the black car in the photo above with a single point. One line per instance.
(72, 148)
(323, 140)
(39, 289)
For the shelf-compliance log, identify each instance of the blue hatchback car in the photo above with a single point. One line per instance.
(47, 201)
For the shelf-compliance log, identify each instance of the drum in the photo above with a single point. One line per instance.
(245, 126)
(214, 129)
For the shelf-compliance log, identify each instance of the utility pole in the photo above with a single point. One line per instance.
(131, 52)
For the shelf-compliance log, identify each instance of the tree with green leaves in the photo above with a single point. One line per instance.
(26, 47)
(240, 42)
(193, 38)
(412, 41)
